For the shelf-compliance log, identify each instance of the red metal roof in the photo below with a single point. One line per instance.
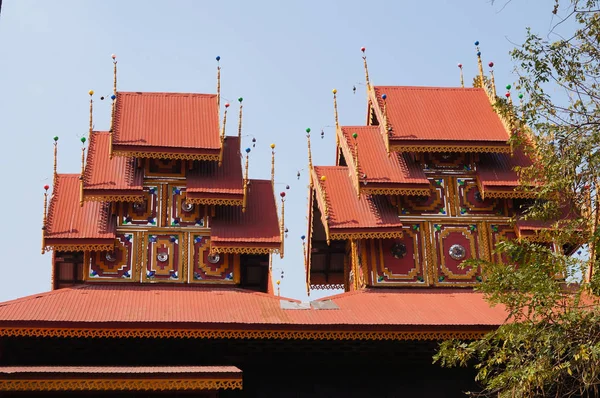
(104, 175)
(210, 181)
(374, 161)
(498, 169)
(175, 120)
(68, 220)
(173, 306)
(258, 225)
(111, 370)
(441, 114)
(347, 211)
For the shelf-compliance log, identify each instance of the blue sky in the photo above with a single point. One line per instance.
(283, 57)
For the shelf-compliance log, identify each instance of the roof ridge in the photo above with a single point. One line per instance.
(431, 88)
(90, 158)
(165, 93)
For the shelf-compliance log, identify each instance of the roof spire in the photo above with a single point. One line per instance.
(91, 93)
(113, 97)
(480, 65)
(303, 237)
(218, 82)
(310, 165)
(356, 165)
(335, 114)
(364, 57)
(82, 171)
(492, 80)
(240, 121)
(55, 159)
(46, 187)
(273, 165)
(386, 126)
(223, 134)
(245, 200)
(462, 79)
(282, 224)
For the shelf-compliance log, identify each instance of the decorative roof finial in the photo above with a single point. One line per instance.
(91, 93)
(113, 97)
(240, 100)
(492, 80)
(114, 58)
(55, 160)
(386, 126)
(356, 165)
(83, 140)
(335, 114)
(364, 57)
(245, 200)
(462, 79)
(282, 225)
(278, 291)
(310, 165)
(480, 65)
(273, 165)
(303, 237)
(218, 82)
(46, 187)
(223, 134)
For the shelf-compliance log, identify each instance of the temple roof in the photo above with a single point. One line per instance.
(424, 116)
(69, 222)
(210, 183)
(173, 123)
(225, 309)
(257, 228)
(497, 176)
(394, 172)
(106, 177)
(347, 213)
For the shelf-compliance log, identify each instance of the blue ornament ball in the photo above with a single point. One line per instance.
(218, 58)
(477, 43)
(383, 96)
(247, 150)
(112, 97)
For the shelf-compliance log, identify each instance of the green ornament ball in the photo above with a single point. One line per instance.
(508, 86)
(55, 138)
(355, 136)
(520, 95)
(240, 99)
(83, 140)
(308, 130)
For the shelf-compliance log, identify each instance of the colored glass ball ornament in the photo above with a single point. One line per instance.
(477, 43)
(479, 53)
(282, 194)
(55, 138)
(507, 95)
(272, 146)
(520, 95)
(363, 49)
(460, 66)
(355, 136)
(323, 178)
(46, 187)
(113, 56)
(491, 64)
(113, 97)
(303, 237)
(227, 105)
(248, 150)
(218, 58)
(91, 92)
(287, 187)
(240, 99)
(508, 86)
(334, 91)
(82, 140)
(308, 130)
(384, 96)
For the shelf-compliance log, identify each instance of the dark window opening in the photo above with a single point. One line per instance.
(68, 269)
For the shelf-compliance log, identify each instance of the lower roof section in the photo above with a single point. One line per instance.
(214, 312)
(119, 378)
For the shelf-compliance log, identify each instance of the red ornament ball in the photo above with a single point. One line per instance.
(46, 187)
(507, 95)
(491, 64)
(362, 49)
(460, 66)
(227, 105)
(282, 194)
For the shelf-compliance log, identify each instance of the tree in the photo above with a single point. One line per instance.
(550, 344)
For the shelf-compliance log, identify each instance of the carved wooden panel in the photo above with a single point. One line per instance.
(116, 264)
(183, 213)
(216, 268)
(470, 202)
(164, 168)
(143, 213)
(426, 205)
(163, 258)
(450, 161)
(498, 233)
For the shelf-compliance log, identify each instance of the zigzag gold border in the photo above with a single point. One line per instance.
(367, 235)
(244, 250)
(166, 155)
(396, 191)
(79, 248)
(120, 385)
(214, 201)
(449, 148)
(510, 195)
(112, 198)
(243, 334)
(327, 286)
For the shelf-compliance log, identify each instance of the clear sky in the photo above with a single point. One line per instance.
(283, 57)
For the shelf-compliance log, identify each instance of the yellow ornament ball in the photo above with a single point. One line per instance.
(278, 282)
(323, 178)
(272, 146)
(91, 92)
(334, 91)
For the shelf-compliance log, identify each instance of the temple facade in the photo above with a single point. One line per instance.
(161, 253)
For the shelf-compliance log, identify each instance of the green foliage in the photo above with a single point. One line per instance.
(550, 344)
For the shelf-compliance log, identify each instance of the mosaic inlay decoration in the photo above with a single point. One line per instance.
(143, 213)
(183, 213)
(455, 243)
(216, 267)
(116, 263)
(163, 258)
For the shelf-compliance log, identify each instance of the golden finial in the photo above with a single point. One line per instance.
(245, 200)
(492, 80)
(364, 57)
(46, 187)
(386, 126)
(91, 93)
(273, 165)
(480, 65)
(303, 237)
(310, 165)
(462, 79)
(223, 134)
(113, 97)
(82, 171)
(282, 224)
(508, 96)
(356, 165)
(278, 291)
(218, 82)
(55, 160)
(114, 58)
(335, 114)
(240, 120)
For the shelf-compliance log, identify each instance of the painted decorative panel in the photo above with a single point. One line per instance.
(114, 264)
(165, 168)
(455, 161)
(218, 267)
(163, 258)
(400, 261)
(498, 233)
(183, 213)
(470, 202)
(426, 205)
(453, 244)
(143, 213)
